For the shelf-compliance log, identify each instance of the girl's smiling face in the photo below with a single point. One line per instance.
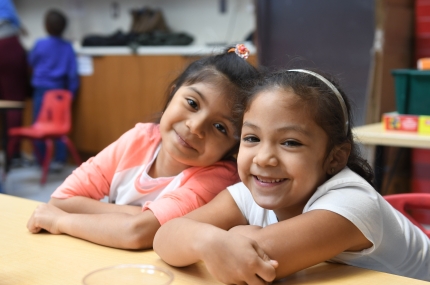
(196, 126)
(282, 156)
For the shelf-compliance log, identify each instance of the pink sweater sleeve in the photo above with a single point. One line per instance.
(200, 185)
(93, 178)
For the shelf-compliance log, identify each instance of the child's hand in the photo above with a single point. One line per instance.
(45, 217)
(236, 259)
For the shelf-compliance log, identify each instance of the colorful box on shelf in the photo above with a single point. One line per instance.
(407, 123)
(424, 125)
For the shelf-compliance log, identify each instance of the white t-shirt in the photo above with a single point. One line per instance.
(399, 247)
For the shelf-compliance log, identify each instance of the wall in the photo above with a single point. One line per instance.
(202, 19)
(335, 36)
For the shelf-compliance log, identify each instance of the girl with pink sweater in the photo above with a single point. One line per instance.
(156, 172)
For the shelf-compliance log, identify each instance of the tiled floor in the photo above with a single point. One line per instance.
(25, 182)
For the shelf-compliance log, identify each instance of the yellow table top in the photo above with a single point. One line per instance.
(374, 134)
(60, 259)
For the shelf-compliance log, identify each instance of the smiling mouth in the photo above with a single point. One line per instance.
(183, 142)
(269, 180)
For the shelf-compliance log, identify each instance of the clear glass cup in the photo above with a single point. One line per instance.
(133, 274)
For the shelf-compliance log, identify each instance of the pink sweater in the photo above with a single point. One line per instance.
(117, 170)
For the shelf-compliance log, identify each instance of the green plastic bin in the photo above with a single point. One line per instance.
(412, 88)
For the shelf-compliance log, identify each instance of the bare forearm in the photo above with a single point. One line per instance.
(307, 239)
(117, 230)
(85, 205)
(231, 258)
(181, 241)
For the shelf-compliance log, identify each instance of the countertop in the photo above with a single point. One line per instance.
(191, 50)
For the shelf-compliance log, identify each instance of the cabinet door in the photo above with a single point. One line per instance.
(122, 91)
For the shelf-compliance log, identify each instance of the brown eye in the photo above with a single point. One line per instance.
(250, 139)
(220, 128)
(291, 143)
(192, 103)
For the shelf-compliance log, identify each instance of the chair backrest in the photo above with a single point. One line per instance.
(406, 202)
(55, 113)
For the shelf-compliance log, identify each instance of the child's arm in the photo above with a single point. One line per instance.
(306, 240)
(118, 230)
(72, 74)
(33, 54)
(295, 244)
(93, 179)
(202, 235)
(85, 205)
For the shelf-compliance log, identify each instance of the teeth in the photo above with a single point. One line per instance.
(269, 180)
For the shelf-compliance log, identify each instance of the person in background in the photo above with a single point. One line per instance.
(306, 196)
(14, 77)
(53, 63)
(156, 172)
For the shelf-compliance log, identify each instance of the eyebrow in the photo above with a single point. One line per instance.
(283, 129)
(203, 97)
(199, 93)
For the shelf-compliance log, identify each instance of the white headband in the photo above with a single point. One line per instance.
(334, 89)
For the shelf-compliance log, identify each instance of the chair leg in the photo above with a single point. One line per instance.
(37, 152)
(72, 150)
(10, 144)
(47, 160)
(9, 152)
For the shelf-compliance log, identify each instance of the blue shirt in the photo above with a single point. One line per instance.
(8, 13)
(54, 64)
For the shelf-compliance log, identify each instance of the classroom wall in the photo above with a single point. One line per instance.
(203, 19)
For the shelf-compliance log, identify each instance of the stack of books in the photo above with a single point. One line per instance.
(394, 121)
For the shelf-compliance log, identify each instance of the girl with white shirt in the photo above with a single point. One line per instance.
(306, 196)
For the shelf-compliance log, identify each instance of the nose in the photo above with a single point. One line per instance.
(265, 156)
(196, 125)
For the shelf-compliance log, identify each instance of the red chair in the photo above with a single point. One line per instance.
(54, 122)
(407, 202)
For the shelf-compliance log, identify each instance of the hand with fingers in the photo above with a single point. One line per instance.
(45, 217)
(236, 259)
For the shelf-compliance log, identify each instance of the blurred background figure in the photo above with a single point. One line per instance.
(14, 79)
(53, 62)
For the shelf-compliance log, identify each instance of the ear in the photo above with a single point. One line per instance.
(172, 88)
(338, 158)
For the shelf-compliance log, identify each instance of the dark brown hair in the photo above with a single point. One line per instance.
(323, 105)
(55, 22)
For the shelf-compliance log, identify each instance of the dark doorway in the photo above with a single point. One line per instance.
(335, 36)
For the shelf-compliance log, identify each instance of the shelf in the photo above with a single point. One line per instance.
(374, 134)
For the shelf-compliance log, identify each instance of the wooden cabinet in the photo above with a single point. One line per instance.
(123, 90)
